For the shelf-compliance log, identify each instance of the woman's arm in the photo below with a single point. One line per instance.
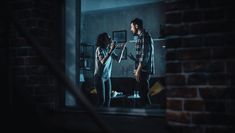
(103, 59)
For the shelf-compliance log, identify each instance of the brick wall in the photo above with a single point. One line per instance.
(32, 82)
(3, 54)
(200, 65)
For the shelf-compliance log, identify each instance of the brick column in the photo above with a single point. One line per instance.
(200, 65)
(32, 82)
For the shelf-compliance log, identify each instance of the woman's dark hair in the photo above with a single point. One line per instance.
(138, 21)
(102, 39)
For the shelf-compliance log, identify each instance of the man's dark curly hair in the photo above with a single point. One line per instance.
(138, 21)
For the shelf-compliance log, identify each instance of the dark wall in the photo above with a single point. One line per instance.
(28, 87)
(4, 41)
(33, 85)
(200, 65)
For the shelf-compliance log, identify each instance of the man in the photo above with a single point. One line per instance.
(144, 60)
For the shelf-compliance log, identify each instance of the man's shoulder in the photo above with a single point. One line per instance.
(147, 34)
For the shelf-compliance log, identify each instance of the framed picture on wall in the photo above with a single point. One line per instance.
(119, 36)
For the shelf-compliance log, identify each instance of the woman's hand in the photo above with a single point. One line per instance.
(112, 46)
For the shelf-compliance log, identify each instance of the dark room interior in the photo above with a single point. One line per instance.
(47, 61)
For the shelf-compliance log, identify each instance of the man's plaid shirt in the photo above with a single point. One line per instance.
(145, 52)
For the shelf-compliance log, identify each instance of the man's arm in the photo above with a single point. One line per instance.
(137, 71)
(145, 50)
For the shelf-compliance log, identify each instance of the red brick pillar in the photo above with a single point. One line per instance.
(200, 65)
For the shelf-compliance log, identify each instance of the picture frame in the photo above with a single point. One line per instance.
(119, 36)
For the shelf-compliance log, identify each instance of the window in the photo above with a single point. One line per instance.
(116, 22)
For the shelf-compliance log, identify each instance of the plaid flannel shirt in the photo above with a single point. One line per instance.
(145, 52)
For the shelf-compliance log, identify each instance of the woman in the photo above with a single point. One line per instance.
(103, 67)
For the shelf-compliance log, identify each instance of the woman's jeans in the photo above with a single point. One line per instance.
(103, 91)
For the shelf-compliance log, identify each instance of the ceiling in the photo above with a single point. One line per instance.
(91, 5)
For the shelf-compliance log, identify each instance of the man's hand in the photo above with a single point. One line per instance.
(137, 72)
(137, 75)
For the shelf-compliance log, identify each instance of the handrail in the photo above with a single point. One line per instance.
(59, 73)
